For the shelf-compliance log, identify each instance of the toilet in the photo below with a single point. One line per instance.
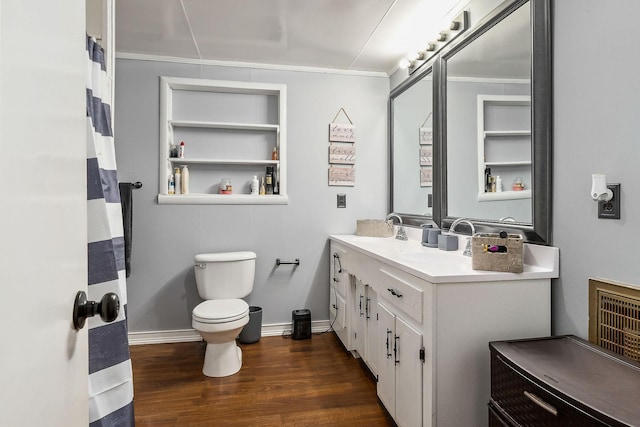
(222, 279)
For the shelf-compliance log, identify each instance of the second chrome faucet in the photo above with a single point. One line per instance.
(401, 234)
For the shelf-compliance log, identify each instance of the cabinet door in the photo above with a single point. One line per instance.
(339, 276)
(359, 319)
(386, 361)
(408, 375)
(371, 337)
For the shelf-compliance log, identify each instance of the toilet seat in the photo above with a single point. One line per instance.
(220, 311)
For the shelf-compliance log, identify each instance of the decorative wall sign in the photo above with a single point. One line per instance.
(342, 154)
(426, 177)
(342, 176)
(426, 155)
(339, 132)
(426, 136)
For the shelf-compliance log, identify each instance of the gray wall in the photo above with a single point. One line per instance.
(596, 129)
(596, 108)
(161, 288)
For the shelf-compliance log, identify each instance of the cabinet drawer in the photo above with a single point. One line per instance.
(497, 418)
(363, 267)
(403, 290)
(529, 404)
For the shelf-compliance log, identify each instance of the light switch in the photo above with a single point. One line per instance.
(342, 200)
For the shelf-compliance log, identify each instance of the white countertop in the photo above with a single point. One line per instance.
(438, 266)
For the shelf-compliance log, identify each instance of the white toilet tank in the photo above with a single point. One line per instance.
(225, 274)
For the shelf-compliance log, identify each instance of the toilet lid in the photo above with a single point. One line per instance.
(220, 311)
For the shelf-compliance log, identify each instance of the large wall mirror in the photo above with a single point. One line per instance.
(411, 147)
(493, 123)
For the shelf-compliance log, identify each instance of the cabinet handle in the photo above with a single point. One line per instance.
(396, 350)
(388, 345)
(366, 307)
(394, 292)
(361, 298)
(541, 403)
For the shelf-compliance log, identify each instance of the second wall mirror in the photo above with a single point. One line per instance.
(493, 123)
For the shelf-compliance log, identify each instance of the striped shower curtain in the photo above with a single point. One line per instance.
(110, 376)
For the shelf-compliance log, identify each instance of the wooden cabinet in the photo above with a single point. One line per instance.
(504, 144)
(562, 381)
(230, 130)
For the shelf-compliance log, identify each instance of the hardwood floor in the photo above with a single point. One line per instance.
(283, 382)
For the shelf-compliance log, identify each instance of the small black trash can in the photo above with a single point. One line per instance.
(253, 330)
(301, 324)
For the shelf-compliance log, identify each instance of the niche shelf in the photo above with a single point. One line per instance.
(230, 129)
(504, 143)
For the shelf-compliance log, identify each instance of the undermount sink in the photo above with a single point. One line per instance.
(430, 256)
(368, 239)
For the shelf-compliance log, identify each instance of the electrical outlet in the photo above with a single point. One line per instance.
(342, 200)
(611, 208)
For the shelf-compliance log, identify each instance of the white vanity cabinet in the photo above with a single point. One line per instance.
(400, 356)
(365, 318)
(340, 296)
(427, 338)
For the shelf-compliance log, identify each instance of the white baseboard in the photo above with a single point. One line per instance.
(190, 335)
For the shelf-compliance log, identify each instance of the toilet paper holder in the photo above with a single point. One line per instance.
(296, 262)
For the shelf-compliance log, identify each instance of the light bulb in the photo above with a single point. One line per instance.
(413, 56)
(404, 63)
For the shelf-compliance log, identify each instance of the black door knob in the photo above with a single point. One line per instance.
(108, 308)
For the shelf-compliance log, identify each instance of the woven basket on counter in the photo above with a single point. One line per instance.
(374, 228)
(494, 253)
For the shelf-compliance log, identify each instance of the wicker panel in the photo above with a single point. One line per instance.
(614, 317)
(484, 259)
(508, 389)
(374, 228)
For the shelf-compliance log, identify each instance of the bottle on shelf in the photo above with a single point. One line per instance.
(255, 186)
(498, 184)
(274, 153)
(269, 180)
(185, 179)
(487, 179)
(177, 181)
(181, 151)
(225, 186)
(262, 189)
(172, 184)
(518, 184)
(173, 151)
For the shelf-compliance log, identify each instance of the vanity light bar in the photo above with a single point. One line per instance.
(457, 26)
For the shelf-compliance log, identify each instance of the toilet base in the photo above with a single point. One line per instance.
(222, 359)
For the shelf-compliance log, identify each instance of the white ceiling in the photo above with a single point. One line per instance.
(362, 35)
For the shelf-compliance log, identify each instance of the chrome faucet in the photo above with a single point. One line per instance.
(401, 234)
(452, 228)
